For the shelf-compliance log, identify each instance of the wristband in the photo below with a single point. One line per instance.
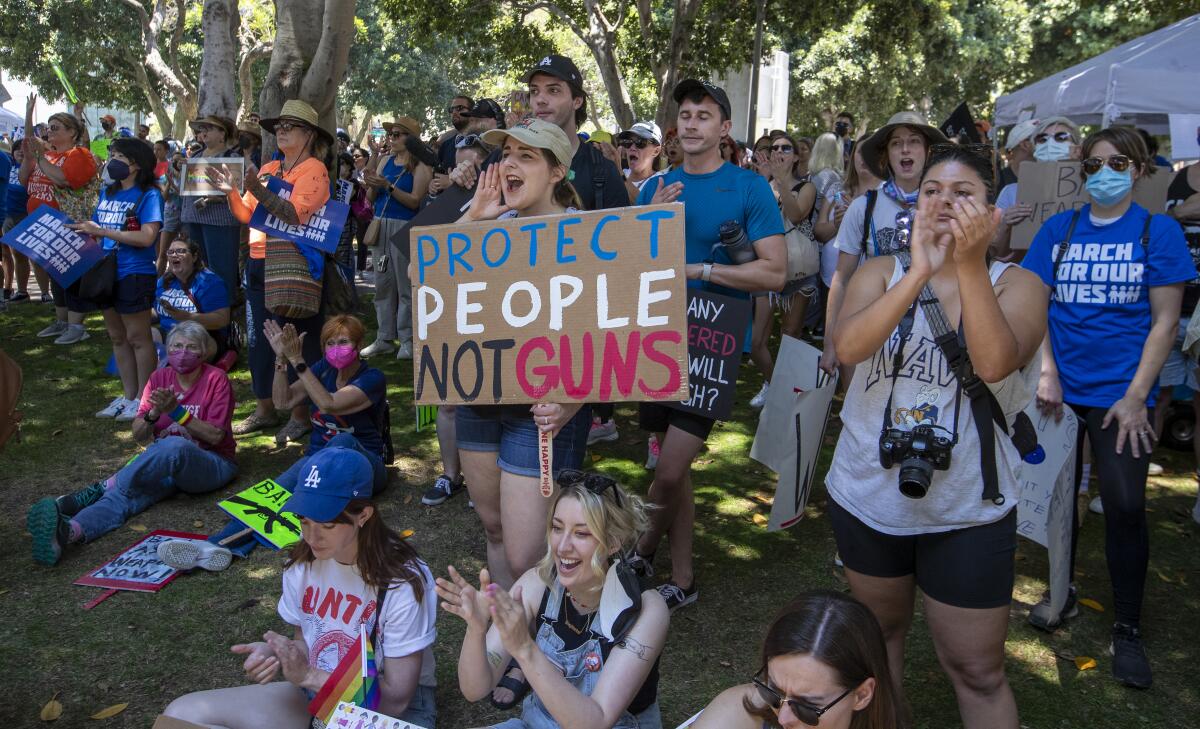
(706, 274)
(180, 415)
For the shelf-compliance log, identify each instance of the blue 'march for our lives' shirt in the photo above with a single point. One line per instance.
(1100, 314)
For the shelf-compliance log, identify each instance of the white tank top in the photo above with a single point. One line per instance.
(924, 394)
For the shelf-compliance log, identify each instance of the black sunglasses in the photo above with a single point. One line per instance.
(1118, 163)
(597, 483)
(782, 148)
(810, 715)
(458, 108)
(396, 134)
(639, 143)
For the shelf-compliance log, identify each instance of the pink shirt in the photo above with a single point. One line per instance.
(210, 399)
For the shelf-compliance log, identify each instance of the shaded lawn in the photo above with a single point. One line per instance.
(147, 649)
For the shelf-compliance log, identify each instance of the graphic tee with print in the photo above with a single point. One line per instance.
(363, 425)
(329, 601)
(208, 290)
(79, 167)
(209, 399)
(112, 211)
(881, 236)
(1100, 305)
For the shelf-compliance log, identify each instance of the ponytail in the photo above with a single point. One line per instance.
(565, 195)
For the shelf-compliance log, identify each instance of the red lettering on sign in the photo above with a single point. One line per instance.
(548, 372)
(652, 354)
(612, 364)
(584, 387)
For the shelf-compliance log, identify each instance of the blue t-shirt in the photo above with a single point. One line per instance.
(363, 425)
(110, 213)
(1100, 310)
(387, 206)
(17, 195)
(7, 163)
(729, 193)
(208, 290)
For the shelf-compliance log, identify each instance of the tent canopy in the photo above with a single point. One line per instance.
(1139, 82)
(10, 121)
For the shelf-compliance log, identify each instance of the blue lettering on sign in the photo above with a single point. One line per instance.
(655, 217)
(532, 229)
(458, 255)
(501, 233)
(423, 262)
(600, 253)
(565, 240)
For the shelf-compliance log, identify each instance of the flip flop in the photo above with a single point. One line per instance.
(518, 686)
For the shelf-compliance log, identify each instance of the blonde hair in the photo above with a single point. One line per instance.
(615, 517)
(826, 155)
(194, 332)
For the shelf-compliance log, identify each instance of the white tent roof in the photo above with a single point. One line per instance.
(1139, 82)
(10, 121)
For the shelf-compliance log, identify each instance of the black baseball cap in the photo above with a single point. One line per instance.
(687, 86)
(559, 67)
(487, 109)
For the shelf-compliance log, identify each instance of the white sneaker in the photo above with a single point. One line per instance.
(404, 351)
(72, 334)
(1096, 506)
(114, 408)
(129, 410)
(602, 432)
(379, 346)
(760, 399)
(55, 329)
(186, 554)
(1154, 470)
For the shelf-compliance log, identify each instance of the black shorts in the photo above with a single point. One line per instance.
(130, 295)
(966, 568)
(656, 418)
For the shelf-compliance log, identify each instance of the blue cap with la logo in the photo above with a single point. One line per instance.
(328, 481)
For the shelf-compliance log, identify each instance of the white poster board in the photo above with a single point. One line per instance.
(791, 428)
(1185, 136)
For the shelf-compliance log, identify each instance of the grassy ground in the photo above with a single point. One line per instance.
(146, 649)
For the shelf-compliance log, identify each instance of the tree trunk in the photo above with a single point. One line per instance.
(602, 41)
(218, 67)
(309, 58)
(666, 70)
(246, 77)
(167, 72)
(157, 106)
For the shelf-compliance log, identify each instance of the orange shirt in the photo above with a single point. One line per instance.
(310, 192)
(77, 164)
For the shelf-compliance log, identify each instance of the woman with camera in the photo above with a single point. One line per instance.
(1117, 274)
(907, 406)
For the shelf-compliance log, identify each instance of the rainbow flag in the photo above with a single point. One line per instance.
(352, 682)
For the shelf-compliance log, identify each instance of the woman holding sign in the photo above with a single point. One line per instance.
(209, 220)
(579, 625)
(1116, 276)
(907, 506)
(306, 148)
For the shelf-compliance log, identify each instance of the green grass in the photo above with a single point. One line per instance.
(146, 649)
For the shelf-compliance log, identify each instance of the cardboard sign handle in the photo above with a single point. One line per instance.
(99, 599)
(235, 537)
(546, 459)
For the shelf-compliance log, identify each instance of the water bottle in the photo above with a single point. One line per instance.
(734, 242)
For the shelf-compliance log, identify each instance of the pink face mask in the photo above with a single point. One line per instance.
(341, 355)
(183, 361)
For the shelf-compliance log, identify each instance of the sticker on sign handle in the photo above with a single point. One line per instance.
(546, 462)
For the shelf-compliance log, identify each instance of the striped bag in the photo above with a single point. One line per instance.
(290, 290)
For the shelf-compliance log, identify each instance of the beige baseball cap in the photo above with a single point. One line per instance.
(535, 133)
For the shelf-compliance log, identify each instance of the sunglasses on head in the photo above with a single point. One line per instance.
(782, 148)
(597, 483)
(463, 141)
(1117, 163)
(810, 715)
(1058, 137)
(639, 143)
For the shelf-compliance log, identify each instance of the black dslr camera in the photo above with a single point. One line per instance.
(919, 452)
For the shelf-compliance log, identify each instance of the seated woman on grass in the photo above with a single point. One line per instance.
(184, 420)
(580, 627)
(346, 404)
(189, 291)
(350, 558)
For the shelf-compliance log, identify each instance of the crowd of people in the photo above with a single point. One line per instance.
(940, 330)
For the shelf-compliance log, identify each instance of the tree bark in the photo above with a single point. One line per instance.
(667, 70)
(165, 12)
(218, 67)
(309, 58)
(246, 76)
(153, 99)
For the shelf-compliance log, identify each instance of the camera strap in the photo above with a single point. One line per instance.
(985, 409)
(904, 329)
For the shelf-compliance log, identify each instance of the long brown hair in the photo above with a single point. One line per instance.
(564, 191)
(384, 557)
(842, 633)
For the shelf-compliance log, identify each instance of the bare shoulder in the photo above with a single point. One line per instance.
(727, 712)
(1020, 282)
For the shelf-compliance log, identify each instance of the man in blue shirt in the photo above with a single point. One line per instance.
(712, 192)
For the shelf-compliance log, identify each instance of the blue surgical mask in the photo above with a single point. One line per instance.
(1108, 187)
(115, 171)
(1051, 151)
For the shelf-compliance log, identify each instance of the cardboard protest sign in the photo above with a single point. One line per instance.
(1052, 187)
(349, 716)
(195, 175)
(791, 428)
(138, 568)
(259, 507)
(61, 252)
(961, 123)
(716, 327)
(577, 307)
(324, 227)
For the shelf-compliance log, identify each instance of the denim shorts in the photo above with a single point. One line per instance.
(509, 431)
(1178, 369)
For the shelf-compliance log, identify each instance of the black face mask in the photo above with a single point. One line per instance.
(841, 128)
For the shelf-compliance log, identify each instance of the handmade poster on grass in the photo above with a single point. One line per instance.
(716, 326)
(1052, 187)
(195, 175)
(61, 252)
(577, 307)
(138, 568)
(791, 428)
(1046, 503)
(349, 716)
(324, 227)
(259, 507)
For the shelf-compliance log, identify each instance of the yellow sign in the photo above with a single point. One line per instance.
(259, 507)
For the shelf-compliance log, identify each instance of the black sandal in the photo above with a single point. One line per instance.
(518, 686)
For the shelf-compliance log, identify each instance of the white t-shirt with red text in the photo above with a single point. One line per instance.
(328, 601)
